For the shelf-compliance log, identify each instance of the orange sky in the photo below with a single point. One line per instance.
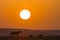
(45, 14)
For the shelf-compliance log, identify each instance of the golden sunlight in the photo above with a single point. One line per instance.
(25, 14)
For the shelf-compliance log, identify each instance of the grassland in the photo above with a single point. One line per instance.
(31, 38)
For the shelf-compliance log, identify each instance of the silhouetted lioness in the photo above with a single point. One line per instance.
(15, 33)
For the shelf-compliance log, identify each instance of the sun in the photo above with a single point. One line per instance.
(25, 14)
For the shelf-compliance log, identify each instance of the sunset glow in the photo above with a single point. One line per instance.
(45, 14)
(25, 14)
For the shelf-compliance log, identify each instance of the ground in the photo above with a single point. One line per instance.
(30, 38)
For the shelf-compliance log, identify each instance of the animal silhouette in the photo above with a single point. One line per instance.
(40, 36)
(14, 34)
